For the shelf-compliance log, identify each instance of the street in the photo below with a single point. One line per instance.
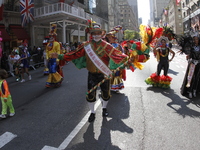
(140, 117)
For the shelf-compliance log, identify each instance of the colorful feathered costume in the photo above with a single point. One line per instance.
(139, 51)
(162, 53)
(117, 79)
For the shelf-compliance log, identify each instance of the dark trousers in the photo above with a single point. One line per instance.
(93, 80)
(163, 65)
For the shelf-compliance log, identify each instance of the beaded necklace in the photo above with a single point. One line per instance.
(166, 54)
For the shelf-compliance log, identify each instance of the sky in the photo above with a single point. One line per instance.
(144, 11)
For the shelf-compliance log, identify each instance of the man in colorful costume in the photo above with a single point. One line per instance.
(54, 78)
(95, 55)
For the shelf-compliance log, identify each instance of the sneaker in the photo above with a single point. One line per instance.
(12, 114)
(17, 79)
(29, 77)
(190, 94)
(23, 80)
(105, 112)
(91, 118)
(2, 116)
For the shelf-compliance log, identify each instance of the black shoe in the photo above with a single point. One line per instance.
(91, 118)
(105, 112)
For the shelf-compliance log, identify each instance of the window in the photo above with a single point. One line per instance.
(81, 1)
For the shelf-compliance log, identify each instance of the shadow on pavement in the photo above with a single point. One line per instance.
(184, 109)
(118, 109)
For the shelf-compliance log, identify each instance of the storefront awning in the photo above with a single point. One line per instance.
(19, 32)
(4, 34)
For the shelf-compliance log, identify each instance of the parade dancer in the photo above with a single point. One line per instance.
(95, 55)
(190, 85)
(54, 78)
(117, 79)
(6, 98)
(162, 52)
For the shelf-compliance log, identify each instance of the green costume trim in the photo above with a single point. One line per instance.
(61, 56)
(80, 62)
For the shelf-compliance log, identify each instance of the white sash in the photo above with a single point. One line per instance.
(97, 61)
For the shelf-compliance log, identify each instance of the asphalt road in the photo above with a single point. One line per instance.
(140, 117)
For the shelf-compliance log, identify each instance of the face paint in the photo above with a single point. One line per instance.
(96, 37)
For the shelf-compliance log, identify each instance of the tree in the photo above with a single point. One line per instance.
(131, 35)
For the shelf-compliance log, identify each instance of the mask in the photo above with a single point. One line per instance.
(96, 38)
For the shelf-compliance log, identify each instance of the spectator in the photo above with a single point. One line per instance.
(16, 61)
(10, 62)
(68, 49)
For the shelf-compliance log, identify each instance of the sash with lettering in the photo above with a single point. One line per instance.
(97, 61)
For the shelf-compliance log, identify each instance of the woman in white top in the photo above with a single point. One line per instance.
(10, 63)
(16, 62)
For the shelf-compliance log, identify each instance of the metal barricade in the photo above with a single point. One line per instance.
(35, 60)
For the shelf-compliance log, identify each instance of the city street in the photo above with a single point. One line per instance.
(140, 117)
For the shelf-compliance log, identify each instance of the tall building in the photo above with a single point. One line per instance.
(158, 8)
(128, 19)
(152, 12)
(175, 17)
(191, 15)
(134, 6)
(70, 16)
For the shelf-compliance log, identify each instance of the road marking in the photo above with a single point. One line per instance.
(75, 131)
(6, 138)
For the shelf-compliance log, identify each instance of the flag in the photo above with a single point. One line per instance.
(27, 10)
(177, 2)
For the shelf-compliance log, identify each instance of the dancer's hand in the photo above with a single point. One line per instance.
(54, 55)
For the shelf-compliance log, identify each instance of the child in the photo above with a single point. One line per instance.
(6, 98)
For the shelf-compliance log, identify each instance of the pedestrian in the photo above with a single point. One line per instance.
(24, 63)
(44, 57)
(10, 63)
(95, 55)
(162, 52)
(191, 84)
(6, 98)
(16, 63)
(68, 49)
(54, 78)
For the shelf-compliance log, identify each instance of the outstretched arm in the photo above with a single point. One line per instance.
(173, 54)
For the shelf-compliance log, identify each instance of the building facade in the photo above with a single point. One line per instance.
(175, 17)
(157, 9)
(191, 13)
(128, 19)
(70, 16)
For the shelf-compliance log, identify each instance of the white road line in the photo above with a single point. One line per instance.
(66, 142)
(6, 138)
